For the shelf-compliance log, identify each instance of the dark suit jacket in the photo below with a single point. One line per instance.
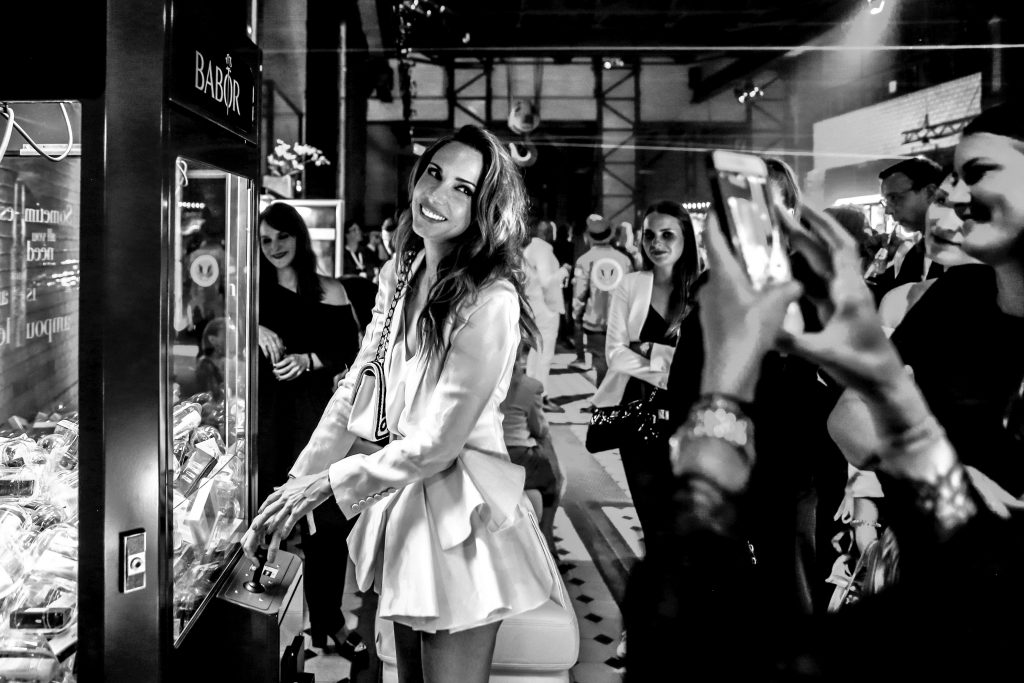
(912, 270)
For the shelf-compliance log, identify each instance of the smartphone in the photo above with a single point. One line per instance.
(739, 188)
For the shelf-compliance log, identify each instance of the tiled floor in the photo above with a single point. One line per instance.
(597, 540)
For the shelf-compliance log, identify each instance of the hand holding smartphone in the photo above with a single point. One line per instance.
(739, 186)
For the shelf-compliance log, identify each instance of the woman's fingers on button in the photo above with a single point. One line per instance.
(275, 543)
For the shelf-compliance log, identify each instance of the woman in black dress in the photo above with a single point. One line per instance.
(643, 327)
(307, 335)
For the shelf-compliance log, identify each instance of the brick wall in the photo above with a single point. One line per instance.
(877, 131)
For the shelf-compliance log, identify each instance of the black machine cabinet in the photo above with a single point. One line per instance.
(256, 630)
(163, 98)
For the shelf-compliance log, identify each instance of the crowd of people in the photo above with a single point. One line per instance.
(824, 504)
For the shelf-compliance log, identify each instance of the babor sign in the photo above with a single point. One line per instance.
(217, 83)
(214, 76)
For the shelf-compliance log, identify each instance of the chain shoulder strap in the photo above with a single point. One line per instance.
(403, 277)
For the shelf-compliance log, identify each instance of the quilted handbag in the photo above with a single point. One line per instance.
(638, 422)
(368, 419)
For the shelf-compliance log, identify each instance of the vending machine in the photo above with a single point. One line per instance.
(127, 334)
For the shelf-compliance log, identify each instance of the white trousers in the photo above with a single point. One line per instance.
(538, 362)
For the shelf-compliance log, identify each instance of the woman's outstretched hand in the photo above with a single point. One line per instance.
(852, 347)
(282, 510)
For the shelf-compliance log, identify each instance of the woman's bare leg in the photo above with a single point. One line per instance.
(463, 657)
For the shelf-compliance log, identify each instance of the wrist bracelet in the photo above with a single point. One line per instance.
(730, 402)
(721, 417)
(864, 522)
(948, 501)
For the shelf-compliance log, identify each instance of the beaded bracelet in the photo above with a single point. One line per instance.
(722, 417)
(864, 522)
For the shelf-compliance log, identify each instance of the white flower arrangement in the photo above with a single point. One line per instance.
(288, 160)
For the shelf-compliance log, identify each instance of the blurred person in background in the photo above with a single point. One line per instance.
(545, 279)
(358, 259)
(624, 241)
(907, 189)
(859, 510)
(528, 440)
(387, 239)
(307, 335)
(855, 223)
(943, 237)
(595, 276)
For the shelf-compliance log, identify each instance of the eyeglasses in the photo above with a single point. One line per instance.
(891, 198)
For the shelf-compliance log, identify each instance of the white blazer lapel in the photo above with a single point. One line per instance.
(396, 320)
(640, 302)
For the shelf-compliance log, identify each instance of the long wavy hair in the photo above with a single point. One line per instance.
(685, 270)
(491, 248)
(284, 218)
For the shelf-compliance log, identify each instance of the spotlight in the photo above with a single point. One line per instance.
(613, 63)
(748, 92)
(465, 38)
(876, 6)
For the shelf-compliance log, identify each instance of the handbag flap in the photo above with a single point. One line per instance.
(368, 418)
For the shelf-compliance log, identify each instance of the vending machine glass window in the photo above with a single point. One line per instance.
(40, 208)
(210, 388)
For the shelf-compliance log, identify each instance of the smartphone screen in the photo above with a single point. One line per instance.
(740, 187)
(740, 182)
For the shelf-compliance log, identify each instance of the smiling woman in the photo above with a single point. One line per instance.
(445, 535)
(307, 335)
(644, 319)
(963, 337)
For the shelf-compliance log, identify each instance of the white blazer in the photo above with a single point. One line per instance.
(443, 492)
(627, 312)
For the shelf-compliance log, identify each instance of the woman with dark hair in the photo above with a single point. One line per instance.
(644, 318)
(643, 324)
(976, 309)
(307, 334)
(445, 535)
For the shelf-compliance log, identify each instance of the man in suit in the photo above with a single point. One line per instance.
(908, 188)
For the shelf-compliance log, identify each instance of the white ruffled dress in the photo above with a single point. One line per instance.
(445, 537)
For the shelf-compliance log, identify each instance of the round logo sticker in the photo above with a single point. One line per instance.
(205, 270)
(606, 274)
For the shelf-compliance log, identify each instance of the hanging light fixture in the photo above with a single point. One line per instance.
(876, 6)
